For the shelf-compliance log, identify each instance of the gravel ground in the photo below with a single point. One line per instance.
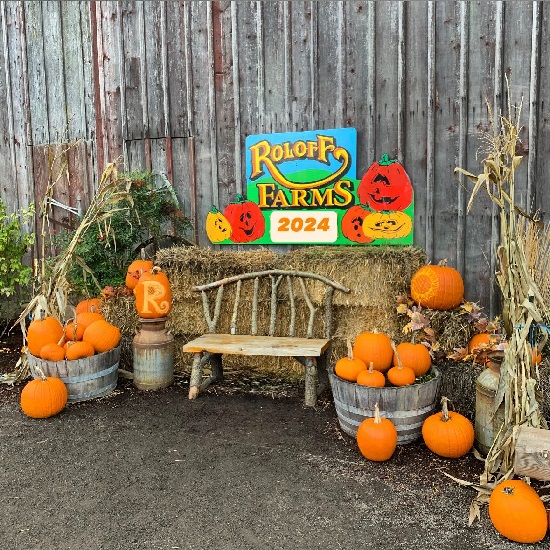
(245, 466)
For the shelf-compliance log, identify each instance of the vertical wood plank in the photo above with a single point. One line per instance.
(430, 138)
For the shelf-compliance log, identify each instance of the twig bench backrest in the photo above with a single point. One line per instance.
(310, 352)
(276, 277)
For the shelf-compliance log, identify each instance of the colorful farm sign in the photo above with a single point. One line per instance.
(301, 188)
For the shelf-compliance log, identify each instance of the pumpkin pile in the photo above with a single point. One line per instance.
(375, 361)
(86, 335)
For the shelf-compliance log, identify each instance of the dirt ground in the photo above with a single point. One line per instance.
(245, 466)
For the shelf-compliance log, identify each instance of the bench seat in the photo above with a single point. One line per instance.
(242, 344)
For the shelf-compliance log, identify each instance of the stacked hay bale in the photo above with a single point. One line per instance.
(375, 275)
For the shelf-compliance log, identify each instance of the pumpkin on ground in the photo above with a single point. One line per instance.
(102, 336)
(349, 367)
(79, 350)
(44, 397)
(375, 348)
(448, 434)
(246, 220)
(517, 512)
(91, 304)
(377, 437)
(135, 270)
(385, 186)
(352, 224)
(52, 352)
(371, 377)
(437, 287)
(218, 229)
(41, 332)
(415, 356)
(387, 225)
(153, 295)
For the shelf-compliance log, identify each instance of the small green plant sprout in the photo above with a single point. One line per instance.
(14, 244)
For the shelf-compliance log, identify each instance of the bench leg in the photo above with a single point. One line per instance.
(322, 372)
(196, 376)
(215, 362)
(311, 382)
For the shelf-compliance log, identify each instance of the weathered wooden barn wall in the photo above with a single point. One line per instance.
(177, 86)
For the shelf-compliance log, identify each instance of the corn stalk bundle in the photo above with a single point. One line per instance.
(522, 303)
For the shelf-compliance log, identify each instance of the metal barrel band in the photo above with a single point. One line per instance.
(97, 393)
(88, 377)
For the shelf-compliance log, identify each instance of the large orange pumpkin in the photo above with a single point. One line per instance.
(375, 348)
(153, 295)
(44, 397)
(377, 437)
(135, 270)
(415, 356)
(517, 512)
(437, 287)
(448, 434)
(102, 336)
(41, 332)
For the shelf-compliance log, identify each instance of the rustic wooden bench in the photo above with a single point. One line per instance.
(311, 352)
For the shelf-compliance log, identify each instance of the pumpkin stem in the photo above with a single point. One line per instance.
(156, 269)
(445, 410)
(442, 263)
(377, 418)
(142, 253)
(508, 490)
(240, 198)
(399, 363)
(214, 209)
(371, 367)
(350, 349)
(385, 160)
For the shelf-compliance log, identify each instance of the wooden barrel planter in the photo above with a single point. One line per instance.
(86, 378)
(407, 407)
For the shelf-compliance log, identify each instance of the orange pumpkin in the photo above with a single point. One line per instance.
(476, 344)
(44, 397)
(448, 434)
(88, 305)
(102, 336)
(74, 331)
(41, 332)
(349, 367)
(414, 356)
(52, 352)
(84, 320)
(153, 295)
(401, 376)
(375, 348)
(377, 437)
(517, 512)
(437, 287)
(371, 377)
(79, 350)
(135, 270)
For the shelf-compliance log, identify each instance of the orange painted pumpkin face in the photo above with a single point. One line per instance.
(246, 219)
(385, 186)
(352, 224)
(387, 225)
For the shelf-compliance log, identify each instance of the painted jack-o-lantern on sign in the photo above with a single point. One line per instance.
(302, 189)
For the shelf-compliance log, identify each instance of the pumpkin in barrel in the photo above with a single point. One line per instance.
(43, 331)
(102, 335)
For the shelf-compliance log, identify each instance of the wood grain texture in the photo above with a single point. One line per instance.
(276, 346)
(532, 458)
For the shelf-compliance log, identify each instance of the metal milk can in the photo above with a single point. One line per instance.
(153, 348)
(487, 420)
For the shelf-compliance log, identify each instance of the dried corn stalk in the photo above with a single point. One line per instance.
(522, 304)
(51, 295)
